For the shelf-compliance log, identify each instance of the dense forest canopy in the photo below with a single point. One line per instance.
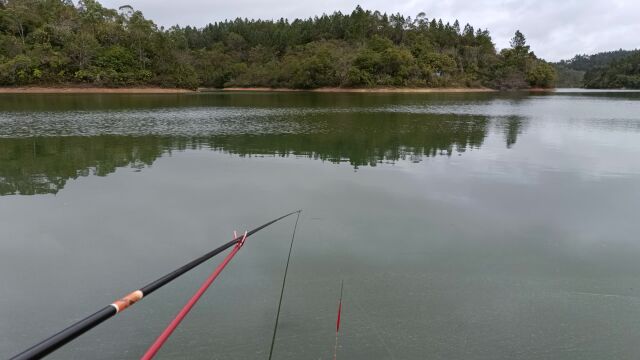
(623, 72)
(610, 69)
(58, 42)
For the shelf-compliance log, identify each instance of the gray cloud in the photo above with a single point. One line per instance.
(555, 29)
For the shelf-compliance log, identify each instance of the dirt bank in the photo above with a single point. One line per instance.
(90, 90)
(363, 90)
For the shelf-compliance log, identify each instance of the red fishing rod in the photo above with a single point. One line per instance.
(54, 342)
(164, 336)
(153, 349)
(335, 348)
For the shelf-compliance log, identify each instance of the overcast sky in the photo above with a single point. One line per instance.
(555, 29)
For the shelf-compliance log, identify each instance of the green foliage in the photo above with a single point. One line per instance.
(588, 62)
(116, 58)
(314, 65)
(183, 76)
(541, 74)
(55, 41)
(518, 67)
(17, 71)
(519, 43)
(620, 73)
(567, 77)
(589, 70)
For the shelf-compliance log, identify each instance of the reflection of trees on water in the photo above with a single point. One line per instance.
(44, 164)
(366, 140)
(513, 129)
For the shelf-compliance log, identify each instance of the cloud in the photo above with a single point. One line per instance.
(554, 29)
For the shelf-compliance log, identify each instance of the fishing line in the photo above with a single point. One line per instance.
(284, 281)
(164, 336)
(54, 342)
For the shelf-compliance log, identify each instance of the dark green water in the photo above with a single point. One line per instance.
(465, 226)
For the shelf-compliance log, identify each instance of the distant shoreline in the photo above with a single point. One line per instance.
(159, 90)
(357, 90)
(90, 90)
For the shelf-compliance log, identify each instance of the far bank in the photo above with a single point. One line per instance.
(159, 90)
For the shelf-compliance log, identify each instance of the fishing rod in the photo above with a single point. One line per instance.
(164, 336)
(54, 342)
(335, 348)
(166, 333)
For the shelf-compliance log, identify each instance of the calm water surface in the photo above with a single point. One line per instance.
(465, 226)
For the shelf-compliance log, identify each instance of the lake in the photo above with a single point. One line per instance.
(465, 226)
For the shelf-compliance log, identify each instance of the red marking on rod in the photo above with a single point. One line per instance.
(153, 349)
(339, 311)
(339, 306)
(335, 348)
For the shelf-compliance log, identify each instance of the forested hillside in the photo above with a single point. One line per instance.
(49, 42)
(620, 73)
(610, 69)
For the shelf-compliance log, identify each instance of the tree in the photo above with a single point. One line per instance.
(140, 30)
(620, 73)
(541, 74)
(20, 17)
(519, 43)
(81, 50)
(54, 41)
